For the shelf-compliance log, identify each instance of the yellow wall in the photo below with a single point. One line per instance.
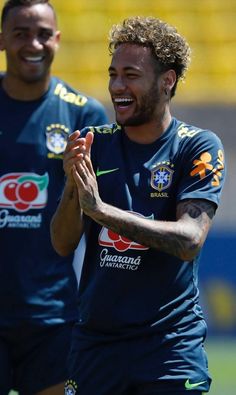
(208, 25)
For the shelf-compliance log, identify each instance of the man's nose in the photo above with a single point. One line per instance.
(35, 43)
(118, 84)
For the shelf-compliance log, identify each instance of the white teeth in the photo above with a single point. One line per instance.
(122, 100)
(34, 58)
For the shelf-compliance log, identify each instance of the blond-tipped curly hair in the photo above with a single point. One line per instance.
(170, 49)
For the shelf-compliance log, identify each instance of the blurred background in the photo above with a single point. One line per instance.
(206, 99)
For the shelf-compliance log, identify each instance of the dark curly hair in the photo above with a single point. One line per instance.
(169, 48)
(9, 4)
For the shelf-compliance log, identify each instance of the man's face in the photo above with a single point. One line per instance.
(133, 85)
(30, 39)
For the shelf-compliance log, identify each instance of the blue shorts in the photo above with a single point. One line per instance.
(172, 363)
(33, 358)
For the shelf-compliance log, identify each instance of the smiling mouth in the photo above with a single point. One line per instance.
(33, 59)
(122, 102)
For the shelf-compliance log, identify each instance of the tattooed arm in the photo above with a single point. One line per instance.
(182, 238)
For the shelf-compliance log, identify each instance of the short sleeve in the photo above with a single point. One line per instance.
(203, 173)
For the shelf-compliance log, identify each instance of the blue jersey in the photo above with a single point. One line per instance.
(36, 284)
(127, 288)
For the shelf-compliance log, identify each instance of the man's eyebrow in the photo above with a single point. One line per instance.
(20, 28)
(127, 68)
(25, 28)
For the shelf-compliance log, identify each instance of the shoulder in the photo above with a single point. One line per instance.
(106, 131)
(193, 137)
(86, 109)
(69, 94)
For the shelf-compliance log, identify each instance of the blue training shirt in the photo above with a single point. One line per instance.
(127, 288)
(36, 284)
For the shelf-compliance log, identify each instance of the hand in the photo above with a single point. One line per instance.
(86, 182)
(77, 148)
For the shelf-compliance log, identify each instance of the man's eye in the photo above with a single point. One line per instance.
(132, 75)
(46, 35)
(20, 34)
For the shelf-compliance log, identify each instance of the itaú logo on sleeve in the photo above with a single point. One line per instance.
(108, 238)
(23, 191)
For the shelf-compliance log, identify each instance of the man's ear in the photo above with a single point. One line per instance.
(58, 39)
(169, 79)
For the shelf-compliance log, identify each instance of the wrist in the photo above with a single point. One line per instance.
(100, 212)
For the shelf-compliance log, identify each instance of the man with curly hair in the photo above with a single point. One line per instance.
(146, 189)
(37, 286)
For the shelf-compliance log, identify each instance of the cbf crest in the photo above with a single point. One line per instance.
(56, 138)
(70, 387)
(161, 176)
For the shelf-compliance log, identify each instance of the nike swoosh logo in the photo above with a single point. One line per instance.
(190, 386)
(102, 172)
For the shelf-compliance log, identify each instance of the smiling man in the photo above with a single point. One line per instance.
(30, 39)
(146, 189)
(37, 286)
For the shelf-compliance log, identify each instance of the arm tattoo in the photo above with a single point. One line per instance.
(195, 208)
(182, 238)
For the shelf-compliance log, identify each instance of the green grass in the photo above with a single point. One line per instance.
(222, 365)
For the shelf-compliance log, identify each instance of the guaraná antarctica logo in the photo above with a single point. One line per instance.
(23, 191)
(108, 238)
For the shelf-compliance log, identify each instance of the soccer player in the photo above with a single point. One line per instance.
(146, 189)
(37, 286)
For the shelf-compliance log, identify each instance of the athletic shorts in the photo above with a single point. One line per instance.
(33, 358)
(172, 363)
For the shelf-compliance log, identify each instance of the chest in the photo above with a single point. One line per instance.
(141, 179)
(33, 133)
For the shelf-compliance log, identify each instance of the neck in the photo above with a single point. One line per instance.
(150, 131)
(24, 91)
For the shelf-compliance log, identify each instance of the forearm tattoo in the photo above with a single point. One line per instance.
(182, 238)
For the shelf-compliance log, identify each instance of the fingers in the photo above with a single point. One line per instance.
(81, 174)
(73, 136)
(77, 177)
(89, 166)
(85, 170)
(79, 145)
(82, 170)
(89, 141)
(75, 144)
(76, 150)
